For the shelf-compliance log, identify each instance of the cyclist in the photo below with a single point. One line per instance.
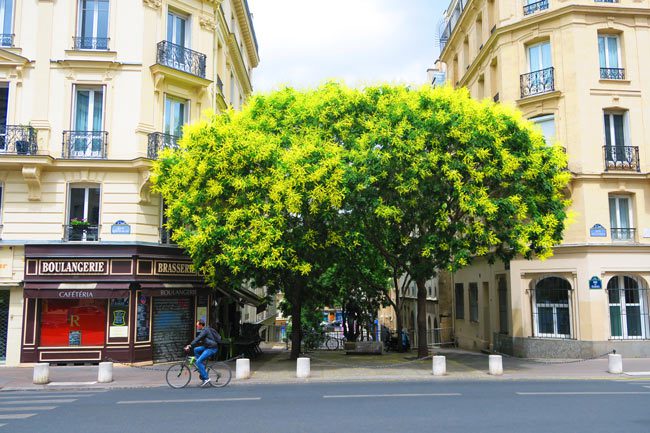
(205, 345)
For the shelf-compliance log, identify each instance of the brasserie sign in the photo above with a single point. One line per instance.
(174, 268)
(69, 267)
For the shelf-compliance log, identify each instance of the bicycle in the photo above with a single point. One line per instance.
(179, 375)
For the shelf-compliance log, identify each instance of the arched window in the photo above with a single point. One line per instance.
(552, 317)
(628, 308)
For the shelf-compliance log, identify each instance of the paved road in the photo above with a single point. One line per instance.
(484, 407)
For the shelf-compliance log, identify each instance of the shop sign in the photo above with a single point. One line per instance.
(174, 268)
(68, 267)
(120, 228)
(598, 231)
(595, 283)
(177, 292)
(76, 294)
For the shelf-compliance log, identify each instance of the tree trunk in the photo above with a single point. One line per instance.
(423, 349)
(296, 325)
(398, 324)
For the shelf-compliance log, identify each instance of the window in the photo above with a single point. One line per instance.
(73, 322)
(88, 122)
(620, 218)
(547, 124)
(551, 308)
(540, 76)
(232, 88)
(460, 301)
(176, 115)
(628, 308)
(6, 23)
(473, 302)
(83, 213)
(609, 54)
(93, 25)
(502, 287)
(539, 56)
(177, 29)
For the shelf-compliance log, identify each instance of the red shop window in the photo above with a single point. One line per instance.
(73, 322)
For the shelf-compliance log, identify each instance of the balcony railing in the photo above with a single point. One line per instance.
(606, 1)
(448, 26)
(18, 140)
(85, 144)
(612, 73)
(623, 234)
(535, 83)
(181, 58)
(6, 40)
(90, 43)
(159, 141)
(531, 8)
(76, 233)
(621, 158)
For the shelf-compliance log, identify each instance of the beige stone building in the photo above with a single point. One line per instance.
(90, 91)
(576, 68)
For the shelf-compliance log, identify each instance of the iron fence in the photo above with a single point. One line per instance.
(90, 43)
(531, 8)
(612, 73)
(85, 144)
(537, 82)
(18, 139)
(181, 58)
(6, 40)
(159, 141)
(83, 233)
(623, 234)
(621, 158)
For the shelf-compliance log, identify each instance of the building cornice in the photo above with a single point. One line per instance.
(248, 31)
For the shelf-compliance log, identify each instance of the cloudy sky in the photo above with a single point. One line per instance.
(305, 42)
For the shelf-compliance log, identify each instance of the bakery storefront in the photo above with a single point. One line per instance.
(122, 303)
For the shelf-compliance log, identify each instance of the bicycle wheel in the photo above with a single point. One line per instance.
(219, 373)
(331, 343)
(178, 375)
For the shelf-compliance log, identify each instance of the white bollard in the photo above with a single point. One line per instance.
(439, 366)
(243, 368)
(615, 364)
(496, 365)
(41, 373)
(105, 372)
(302, 368)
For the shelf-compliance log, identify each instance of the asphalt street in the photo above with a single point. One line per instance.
(488, 406)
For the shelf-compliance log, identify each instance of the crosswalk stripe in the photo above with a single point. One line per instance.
(17, 416)
(19, 397)
(14, 409)
(61, 400)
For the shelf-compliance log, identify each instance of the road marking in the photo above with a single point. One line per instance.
(39, 393)
(637, 373)
(188, 400)
(70, 383)
(61, 400)
(451, 394)
(586, 393)
(18, 397)
(17, 416)
(14, 409)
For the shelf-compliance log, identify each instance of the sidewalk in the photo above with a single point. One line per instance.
(274, 366)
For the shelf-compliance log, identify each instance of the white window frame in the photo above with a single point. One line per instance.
(173, 99)
(541, 58)
(612, 129)
(86, 187)
(186, 18)
(3, 9)
(80, 20)
(618, 50)
(89, 152)
(617, 212)
(537, 120)
(555, 333)
(622, 304)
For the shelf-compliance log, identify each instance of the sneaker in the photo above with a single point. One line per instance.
(206, 382)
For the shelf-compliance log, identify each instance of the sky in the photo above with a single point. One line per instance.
(303, 43)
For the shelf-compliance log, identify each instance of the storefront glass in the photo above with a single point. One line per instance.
(73, 322)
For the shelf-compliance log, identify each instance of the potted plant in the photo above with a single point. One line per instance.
(78, 228)
(79, 223)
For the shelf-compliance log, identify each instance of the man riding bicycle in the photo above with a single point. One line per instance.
(205, 345)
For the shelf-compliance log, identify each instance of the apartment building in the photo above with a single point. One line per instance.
(90, 91)
(575, 68)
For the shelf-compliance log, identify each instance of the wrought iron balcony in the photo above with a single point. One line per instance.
(85, 144)
(606, 1)
(623, 234)
(531, 8)
(181, 58)
(538, 82)
(166, 236)
(159, 141)
(621, 158)
(81, 233)
(18, 140)
(90, 43)
(6, 40)
(612, 73)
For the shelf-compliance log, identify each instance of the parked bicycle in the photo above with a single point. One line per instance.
(179, 375)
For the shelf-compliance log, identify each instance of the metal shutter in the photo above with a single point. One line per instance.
(4, 322)
(173, 327)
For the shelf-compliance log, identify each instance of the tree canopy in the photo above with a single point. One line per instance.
(417, 180)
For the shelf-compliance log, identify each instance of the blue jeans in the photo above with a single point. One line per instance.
(202, 353)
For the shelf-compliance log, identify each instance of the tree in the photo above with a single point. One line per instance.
(438, 179)
(256, 192)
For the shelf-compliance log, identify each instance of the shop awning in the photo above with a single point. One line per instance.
(173, 289)
(248, 297)
(76, 290)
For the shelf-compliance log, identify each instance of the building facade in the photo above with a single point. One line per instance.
(90, 91)
(575, 68)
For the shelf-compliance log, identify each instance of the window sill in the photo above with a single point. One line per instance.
(613, 80)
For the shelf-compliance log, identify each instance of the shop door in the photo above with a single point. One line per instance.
(173, 327)
(4, 322)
